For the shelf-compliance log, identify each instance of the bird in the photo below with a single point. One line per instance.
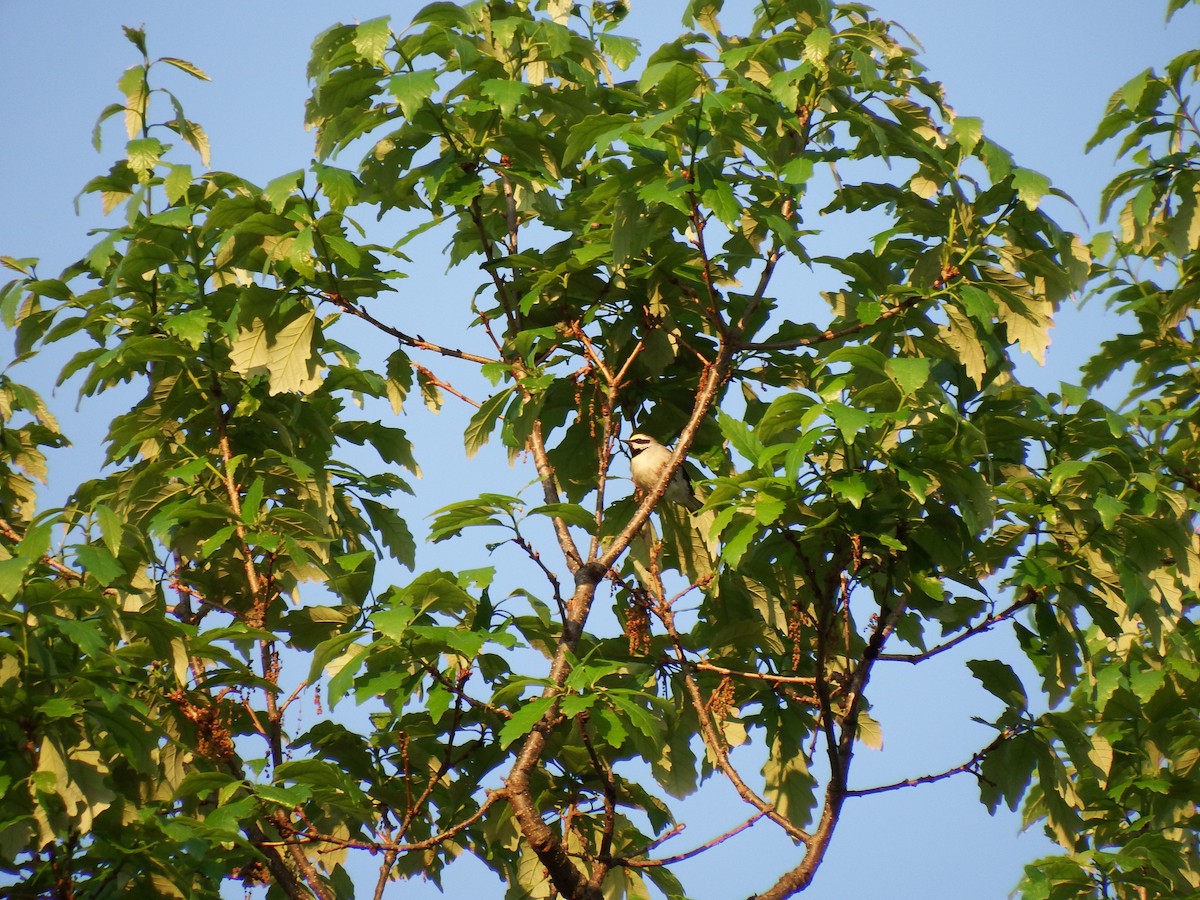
(648, 458)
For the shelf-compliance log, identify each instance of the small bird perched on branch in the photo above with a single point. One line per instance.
(648, 459)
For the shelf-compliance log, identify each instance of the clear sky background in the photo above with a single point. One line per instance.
(1038, 72)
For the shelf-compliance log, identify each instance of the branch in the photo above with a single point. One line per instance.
(760, 676)
(1027, 600)
(446, 386)
(604, 773)
(841, 753)
(971, 765)
(713, 311)
(314, 837)
(830, 335)
(787, 208)
(485, 243)
(414, 809)
(283, 874)
(696, 851)
(590, 352)
(609, 437)
(712, 740)
(563, 872)
(407, 340)
(301, 861)
(66, 571)
(714, 378)
(537, 560)
(545, 472)
(385, 870)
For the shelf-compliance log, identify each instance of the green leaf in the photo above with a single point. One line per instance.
(340, 186)
(279, 190)
(524, 719)
(594, 133)
(177, 182)
(100, 563)
(960, 335)
(1029, 326)
(571, 513)
(111, 527)
(371, 39)
(143, 155)
(185, 66)
(1109, 509)
(622, 51)
(195, 136)
(412, 89)
(788, 782)
(849, 421)
(739, 435)
(977, 302)
(816, 46)
(137, 37)
(12, 576)
(966, 132)
(722, 201)
(999, 679)
(797, 171)
(507, 95)
(393, 531)
(286, 356)
(252, 501)
(1030, 186)
(868, 731)
(924, 186)
(483, 422)
(909, 373)
(137, 94)
(179, 217)
(191, 327)
(852, 488)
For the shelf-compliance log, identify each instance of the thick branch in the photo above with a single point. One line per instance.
(550, 491)
(714, 378)
(566, 876)
(840, 746)
(303, 864)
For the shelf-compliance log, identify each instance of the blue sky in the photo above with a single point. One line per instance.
(1038, 72)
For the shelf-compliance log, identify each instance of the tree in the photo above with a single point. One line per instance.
(883, 488)
(1136, 835)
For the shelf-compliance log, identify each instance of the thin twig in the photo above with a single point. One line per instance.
(696, 851)
(408, 340)
(830, 335)
(66, 571)
(446, 386)
(604, 773)
(760, 676)
(971, 765)
(712, 740)
(1028, 599)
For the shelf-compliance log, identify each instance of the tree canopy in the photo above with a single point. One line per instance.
(780, 251)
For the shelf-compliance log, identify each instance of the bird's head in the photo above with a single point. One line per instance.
(639, 442)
